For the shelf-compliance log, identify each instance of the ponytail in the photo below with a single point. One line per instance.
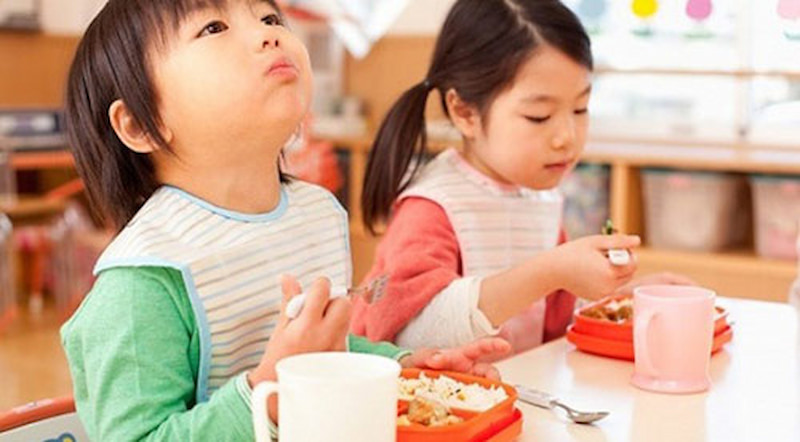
(401, 140)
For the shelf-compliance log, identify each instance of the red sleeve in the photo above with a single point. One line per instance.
(419, 252)
(560, 307)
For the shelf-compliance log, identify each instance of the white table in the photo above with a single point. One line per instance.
(755, 394)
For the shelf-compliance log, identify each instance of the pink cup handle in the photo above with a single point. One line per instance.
(641, 325)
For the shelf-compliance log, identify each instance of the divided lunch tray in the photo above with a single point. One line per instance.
(615, 339)
(501, 423)
(623, 331)
(624, 349)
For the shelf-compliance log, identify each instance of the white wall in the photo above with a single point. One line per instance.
(422, 17)
(68, 16)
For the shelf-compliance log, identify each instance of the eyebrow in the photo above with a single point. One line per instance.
(544, 98)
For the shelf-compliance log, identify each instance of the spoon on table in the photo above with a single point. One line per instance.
(544, 400)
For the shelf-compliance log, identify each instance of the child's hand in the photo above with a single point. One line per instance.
(654, 279)
(586, 269)
(464, 359)
(321, 326)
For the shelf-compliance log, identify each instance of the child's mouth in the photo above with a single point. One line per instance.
(283, 67)
(558, 167)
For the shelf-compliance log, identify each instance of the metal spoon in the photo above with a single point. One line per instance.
(544, 400)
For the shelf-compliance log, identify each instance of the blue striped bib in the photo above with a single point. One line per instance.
(231, 264)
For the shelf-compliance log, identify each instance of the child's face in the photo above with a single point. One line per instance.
(232, 81)
(535, 130)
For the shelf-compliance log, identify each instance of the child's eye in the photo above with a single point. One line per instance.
(537, 120)
(583, 111)
(215, 27)
(272, 20)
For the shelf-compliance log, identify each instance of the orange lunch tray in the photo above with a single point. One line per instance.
(501, 423)
(624, 349)
(623, 331)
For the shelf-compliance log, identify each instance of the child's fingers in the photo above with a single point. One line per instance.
(488, 371)
(290, 288)
(500, 346)
(448, 360)
(486, 347)
(607, 242)
(624, 271)
(338, 315)
(317, 298)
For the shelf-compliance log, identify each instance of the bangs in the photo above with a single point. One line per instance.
(163, 18)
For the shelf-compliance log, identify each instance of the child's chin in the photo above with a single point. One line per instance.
(288, 111)
(545, 185)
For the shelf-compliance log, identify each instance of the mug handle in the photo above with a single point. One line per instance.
(261, 409)
(641, 325)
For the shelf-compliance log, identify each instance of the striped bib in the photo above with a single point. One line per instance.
(497, 227)
(231, 264)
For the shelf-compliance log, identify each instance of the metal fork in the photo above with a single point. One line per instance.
(544, 400)
(370, 293)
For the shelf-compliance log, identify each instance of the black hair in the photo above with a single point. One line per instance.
(112, 63)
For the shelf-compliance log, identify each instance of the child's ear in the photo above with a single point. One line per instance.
(464, 116)
(128, 129)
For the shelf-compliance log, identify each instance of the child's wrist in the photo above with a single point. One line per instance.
(559, 269)
(264, 372)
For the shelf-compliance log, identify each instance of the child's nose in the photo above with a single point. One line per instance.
(565, 135)
(270, 42)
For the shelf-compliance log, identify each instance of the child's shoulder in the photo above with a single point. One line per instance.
(122, 293)
(304, 193)
(296, 186)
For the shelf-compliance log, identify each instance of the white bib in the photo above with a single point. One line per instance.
(496, 227)
(231, 264)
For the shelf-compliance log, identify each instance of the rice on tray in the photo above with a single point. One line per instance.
(452, 393)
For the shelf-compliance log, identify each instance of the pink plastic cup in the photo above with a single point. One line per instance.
(673, 332)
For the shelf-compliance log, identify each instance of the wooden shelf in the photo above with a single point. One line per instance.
(739, 274)
(32, 207)
(738, 73)
(731, 273)
(643, 153)
(656, 152)
(35, 160)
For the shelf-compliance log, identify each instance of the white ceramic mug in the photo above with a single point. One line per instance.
(333, 396)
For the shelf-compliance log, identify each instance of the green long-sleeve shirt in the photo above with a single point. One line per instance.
(134, 350)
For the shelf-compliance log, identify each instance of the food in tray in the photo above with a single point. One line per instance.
(429, 413)
(451, 393)
(619, 311)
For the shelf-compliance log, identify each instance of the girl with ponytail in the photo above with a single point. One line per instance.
(474, 245)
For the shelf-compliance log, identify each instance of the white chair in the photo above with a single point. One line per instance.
(48, 420)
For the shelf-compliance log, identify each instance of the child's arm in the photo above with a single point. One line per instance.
(427, 301)
(580, 267)
(420, 254)
(133, 350)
